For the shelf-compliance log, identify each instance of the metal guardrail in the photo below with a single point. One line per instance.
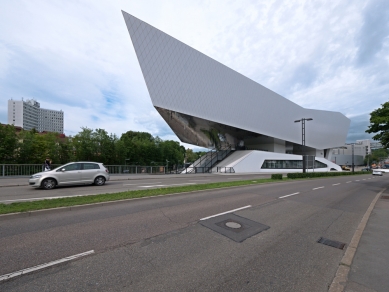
(29, 169)
(225, 169)
(135, 169)
(23, 169)
(197, 170)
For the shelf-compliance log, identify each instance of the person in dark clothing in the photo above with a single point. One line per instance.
(47, 164)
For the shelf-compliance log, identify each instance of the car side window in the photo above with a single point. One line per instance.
(72, 167)
(91, 166)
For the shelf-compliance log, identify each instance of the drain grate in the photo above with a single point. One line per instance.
(385, 197)
(332, 243)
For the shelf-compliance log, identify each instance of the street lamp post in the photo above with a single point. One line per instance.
(352, 155)
(303, 139)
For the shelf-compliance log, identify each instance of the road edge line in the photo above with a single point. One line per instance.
(340, 280)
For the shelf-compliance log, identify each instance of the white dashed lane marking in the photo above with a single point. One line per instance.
(231, 211)
(39, 267)
(336, 184)
(289, 195)
(317, 188)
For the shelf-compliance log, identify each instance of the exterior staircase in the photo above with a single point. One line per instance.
(206, 162)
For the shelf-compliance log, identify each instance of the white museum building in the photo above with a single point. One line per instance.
(250, 127)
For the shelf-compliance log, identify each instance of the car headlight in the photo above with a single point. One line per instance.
(36, 176)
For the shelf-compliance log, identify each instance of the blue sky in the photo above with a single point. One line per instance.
(77, 55)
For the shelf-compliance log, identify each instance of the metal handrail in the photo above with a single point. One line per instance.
(226, 169)
(29, 169)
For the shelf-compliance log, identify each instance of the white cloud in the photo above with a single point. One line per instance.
(77, 55)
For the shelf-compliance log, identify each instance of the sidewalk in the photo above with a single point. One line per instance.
(369, 270)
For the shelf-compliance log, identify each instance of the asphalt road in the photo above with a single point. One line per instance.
(21, 191)
(160, 243)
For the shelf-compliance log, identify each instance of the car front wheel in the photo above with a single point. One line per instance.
(49, 184)
(99, 181)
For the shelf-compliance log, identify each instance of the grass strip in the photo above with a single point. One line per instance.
(92, 199)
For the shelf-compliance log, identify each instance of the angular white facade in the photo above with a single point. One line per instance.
(205, 102)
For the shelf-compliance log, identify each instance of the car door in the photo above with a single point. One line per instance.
(69, 174)
(89, 172)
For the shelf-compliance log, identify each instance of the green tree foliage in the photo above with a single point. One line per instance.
(379, 124)
(192, 156)
(376, 156)
(132, 148)
(34, 147)
(8, 143)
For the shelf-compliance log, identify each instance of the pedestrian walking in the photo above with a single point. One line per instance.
(47, 164)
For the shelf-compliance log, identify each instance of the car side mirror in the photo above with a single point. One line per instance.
(63, 169)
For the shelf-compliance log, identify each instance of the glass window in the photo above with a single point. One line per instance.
(73, 166)
(289, 164)
(91, 166)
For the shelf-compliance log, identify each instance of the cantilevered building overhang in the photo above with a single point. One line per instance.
(199, 97)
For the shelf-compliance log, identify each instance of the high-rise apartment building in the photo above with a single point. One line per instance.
(28, 115)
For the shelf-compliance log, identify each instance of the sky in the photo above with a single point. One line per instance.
(77, 55)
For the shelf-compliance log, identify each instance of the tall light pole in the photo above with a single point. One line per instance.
(303, 139)
(352, 155)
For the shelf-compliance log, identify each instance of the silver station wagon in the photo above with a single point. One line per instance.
(73, 173)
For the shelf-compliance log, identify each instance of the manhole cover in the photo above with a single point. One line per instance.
(333, 243)
(234, 227)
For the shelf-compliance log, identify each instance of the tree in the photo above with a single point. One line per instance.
(8, 143)
(84, 146)
(379, 124)
(376, 156)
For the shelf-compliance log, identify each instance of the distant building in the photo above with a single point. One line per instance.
(343, 155)
(29, 115)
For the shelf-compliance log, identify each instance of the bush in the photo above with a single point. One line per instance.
(276, 176)
(322, 174)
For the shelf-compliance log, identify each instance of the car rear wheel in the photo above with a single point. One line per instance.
(49, 184)
(99, 181)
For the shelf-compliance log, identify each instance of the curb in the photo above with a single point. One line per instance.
(340, 281)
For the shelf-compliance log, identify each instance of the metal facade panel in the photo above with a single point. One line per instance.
(182, 79)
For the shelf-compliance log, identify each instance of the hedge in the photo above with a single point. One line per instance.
(276, 176)
(321, 174)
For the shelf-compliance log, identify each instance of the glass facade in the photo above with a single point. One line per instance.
(290, 164)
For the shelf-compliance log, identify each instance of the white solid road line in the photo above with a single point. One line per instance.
(317, 188)
(200, 180)
(39, 267)
(288, 195)
(156, 182)
(151, 186)
(336, 184)
(245, 207)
